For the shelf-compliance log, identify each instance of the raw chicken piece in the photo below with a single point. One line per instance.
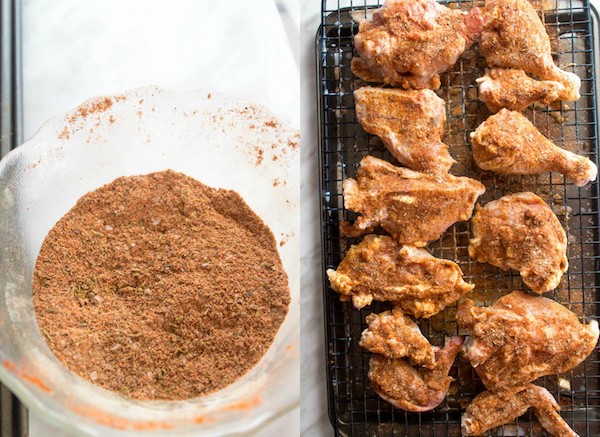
(414, 207)
(409, 42)
(514, 90)
(405, 387)
(490, 410)
(520, 232)
(514, 37)
(395, 335)
(380, 268)
(410, 124)
(521, 338)
(508, 143)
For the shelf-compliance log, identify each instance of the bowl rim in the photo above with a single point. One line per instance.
(28, 396)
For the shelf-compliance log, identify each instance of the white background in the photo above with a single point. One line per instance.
(77, 49)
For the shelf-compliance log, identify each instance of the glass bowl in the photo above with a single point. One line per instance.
(214, 139)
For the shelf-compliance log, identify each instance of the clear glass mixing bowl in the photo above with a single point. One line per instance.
(220, 142)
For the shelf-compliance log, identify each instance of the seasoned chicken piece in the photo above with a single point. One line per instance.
(520, 232)
(410, 124)
(414, 207)
(395, 335)
(405, 387)
(514, 90)
(490, 410)
(521, 338)
(514, 37)
(409, 43)
(380, 268)
(508, 143)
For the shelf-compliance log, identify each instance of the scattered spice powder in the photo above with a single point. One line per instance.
(160, 287)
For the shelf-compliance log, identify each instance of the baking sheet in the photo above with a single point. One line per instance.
(355, 410)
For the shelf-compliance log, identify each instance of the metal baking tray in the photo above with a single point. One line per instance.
(354, 408)
(13, 415)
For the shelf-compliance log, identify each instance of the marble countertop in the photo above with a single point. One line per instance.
(314, 418)
(74, 50)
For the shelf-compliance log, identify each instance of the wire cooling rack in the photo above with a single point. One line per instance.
(354, 408)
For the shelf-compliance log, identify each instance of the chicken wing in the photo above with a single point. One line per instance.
(521, 338)
(490, 410)
(520, 232)
(395, 335)
(514, 37)
(409, 43)
(508, 143)
(405, 387)
(413, 207)
(381, 269)
(410, 124)
(514, 90)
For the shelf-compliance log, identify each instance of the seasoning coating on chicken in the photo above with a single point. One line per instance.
(514, 37)
(508, 143)
(413, 207)
(520, 232)
(381, 269)
(395, 335)
(409, 43)
(521, 338)
(514, 90)
(409, 122)
(405, 387)
(490, 410)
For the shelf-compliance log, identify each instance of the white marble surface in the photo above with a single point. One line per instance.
(77, 49)
(314, 419)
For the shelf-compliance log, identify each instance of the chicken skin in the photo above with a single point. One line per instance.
(508, 143)
(514, 37)
(521, 338)
(409, 43)
(413, 207)
(381, 269)
(405, 387)
(514, 90)
(490, 410)
(410, 124)
(395, 335)
(520, 232)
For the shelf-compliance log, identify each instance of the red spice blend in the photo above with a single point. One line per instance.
(160, 287)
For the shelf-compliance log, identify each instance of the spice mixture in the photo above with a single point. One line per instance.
(159, 287)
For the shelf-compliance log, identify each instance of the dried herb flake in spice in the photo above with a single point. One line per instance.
(160, 287)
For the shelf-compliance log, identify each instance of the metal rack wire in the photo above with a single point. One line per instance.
(354, 408)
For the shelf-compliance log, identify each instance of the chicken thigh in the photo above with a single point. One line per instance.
(379, 268)
(413, 207)
(520, 232)
(405, 387)
(514, 90)
(508, 143)
(410, 124)
(514, 37)
(409, 43)
(490, 410)
(521, 338)
(395, 335)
